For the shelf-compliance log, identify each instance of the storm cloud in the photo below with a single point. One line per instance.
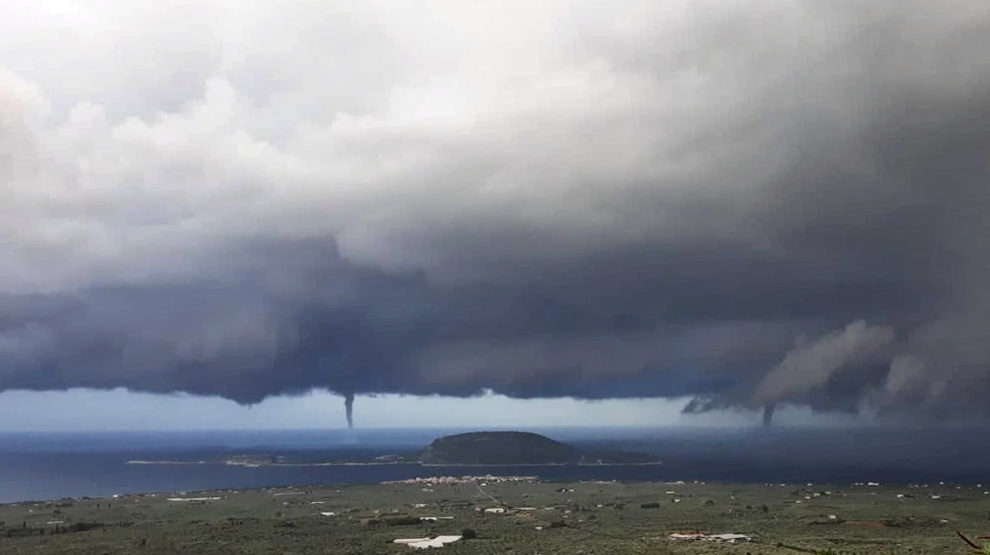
(747, 204)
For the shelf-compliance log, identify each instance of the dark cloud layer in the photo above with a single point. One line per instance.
(747, 205)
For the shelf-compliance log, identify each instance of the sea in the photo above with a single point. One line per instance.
(43, 466)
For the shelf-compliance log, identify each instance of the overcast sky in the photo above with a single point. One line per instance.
(714, 205)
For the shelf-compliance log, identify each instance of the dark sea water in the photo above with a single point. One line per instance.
(36, 466)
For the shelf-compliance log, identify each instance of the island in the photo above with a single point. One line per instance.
(465, 449)
(518, 448)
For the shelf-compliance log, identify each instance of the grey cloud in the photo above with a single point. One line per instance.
(538, 201)
(810, 366)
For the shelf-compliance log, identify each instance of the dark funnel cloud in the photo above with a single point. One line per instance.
(747, 206)
(349, 408)
(768, 413)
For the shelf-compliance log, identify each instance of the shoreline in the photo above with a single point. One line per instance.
(384, 463)
(950, 489)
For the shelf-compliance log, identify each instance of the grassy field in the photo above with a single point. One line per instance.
(576, 518)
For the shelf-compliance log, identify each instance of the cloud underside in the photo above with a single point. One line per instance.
(783, 203)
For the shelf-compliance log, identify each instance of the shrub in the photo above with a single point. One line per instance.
(83, 526)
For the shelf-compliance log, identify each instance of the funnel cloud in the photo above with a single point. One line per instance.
(768, 413)
(748, 206)
(349, 408)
